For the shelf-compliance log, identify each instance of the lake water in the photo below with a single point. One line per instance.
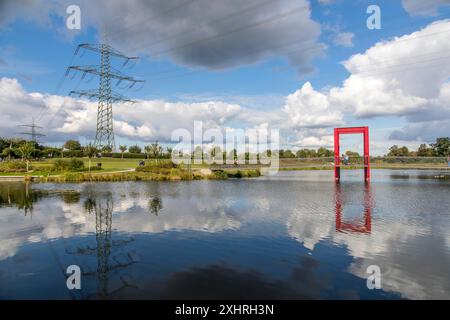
(291, 236)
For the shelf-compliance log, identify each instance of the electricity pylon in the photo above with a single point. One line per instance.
(33, 133)
(104, 136)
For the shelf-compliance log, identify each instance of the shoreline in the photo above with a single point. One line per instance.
(184, 175)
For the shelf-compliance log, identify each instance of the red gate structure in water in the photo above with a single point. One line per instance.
(337, 159)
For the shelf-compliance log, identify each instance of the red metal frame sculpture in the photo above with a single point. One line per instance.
(337, 159)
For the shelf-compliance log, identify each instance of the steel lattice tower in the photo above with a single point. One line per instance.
(104, 136)
(105, 131)
(33, 133)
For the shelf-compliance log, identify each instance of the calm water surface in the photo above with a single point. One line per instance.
(295, 235)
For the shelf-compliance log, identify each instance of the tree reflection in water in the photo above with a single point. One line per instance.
(19, 195)
(155, 205)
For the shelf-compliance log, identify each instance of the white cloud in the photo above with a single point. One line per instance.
(307, 108)
(423, 7)
(305, 113)
(403, 77)
(344, 39)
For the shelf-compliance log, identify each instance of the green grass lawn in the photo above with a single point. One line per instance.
(108, 165)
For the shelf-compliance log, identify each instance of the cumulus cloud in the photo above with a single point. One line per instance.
(404, 77)
(309, 108)
(423, 7)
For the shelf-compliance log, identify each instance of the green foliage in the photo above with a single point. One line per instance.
(424, 151)
(72, 145)
(122, 149)
(50, 152)
(157, 167)
(134, 149)
(442, 147)
(395, 151)
(73, 153)
(106, 149)
(324, 152)
(220, 174)
(128, 155)
(26, 149)
(286, 154)
(306, 153)
(90, 150)
(68, 165)
(13, 166)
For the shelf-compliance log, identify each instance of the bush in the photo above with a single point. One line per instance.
(220, 174)
(157, 167)
(73, 153)
(68, 165)
(128, 155)
(135, 149)
(13, 166)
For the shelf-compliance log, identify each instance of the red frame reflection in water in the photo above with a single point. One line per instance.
(354, 226)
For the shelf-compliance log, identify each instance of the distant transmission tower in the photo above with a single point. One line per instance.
(104, 136)
(33, 133)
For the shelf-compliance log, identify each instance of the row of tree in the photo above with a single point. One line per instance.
(441, 148)
(22, 149)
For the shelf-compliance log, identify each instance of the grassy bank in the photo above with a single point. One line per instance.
(172, 175)
(113, 169)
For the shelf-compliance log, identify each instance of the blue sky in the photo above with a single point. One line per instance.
(36, 48)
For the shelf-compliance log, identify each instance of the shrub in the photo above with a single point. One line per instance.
(13, 166)
(73, 153)
(159, 167)
(68, 165)
(128, 155)
(220, 174)
(235, 174)
(135, 149)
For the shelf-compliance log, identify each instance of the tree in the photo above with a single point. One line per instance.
(155, 150)
(147, 150)
(134, 149)
(352, 154)
(90, 151)
(424, 151)
(395, 151)
(286, 154)
(324, 152)
(442, 147)
(106, 149)
(169, 152)
(8, 152)
(306, 153)
(122, 149)
(72, 145)
(25, 150)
